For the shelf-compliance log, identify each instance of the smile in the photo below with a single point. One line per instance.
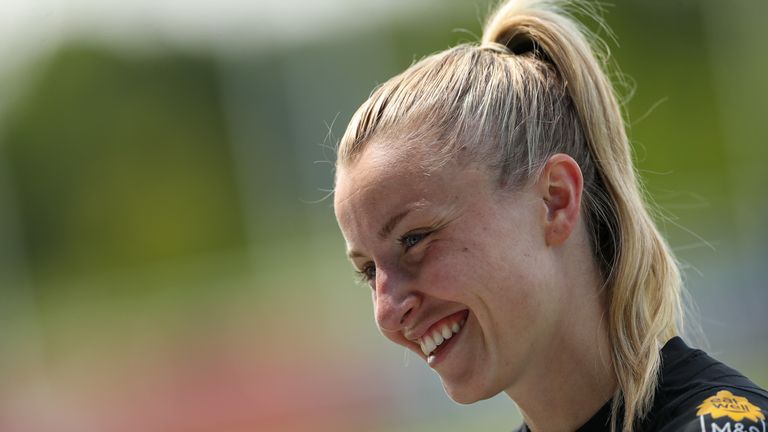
(440, 332)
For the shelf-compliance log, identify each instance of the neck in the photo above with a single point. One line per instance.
(571, 376)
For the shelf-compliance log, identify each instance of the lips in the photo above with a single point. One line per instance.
(441, 331)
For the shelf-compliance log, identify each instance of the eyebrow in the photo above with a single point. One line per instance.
(385, 231)
(388, 227)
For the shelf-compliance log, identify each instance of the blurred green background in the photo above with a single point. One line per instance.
(169, 260)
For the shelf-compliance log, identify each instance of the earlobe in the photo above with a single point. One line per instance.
(561, 185)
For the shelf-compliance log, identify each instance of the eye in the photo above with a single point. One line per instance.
(368, 273)
(410, 240)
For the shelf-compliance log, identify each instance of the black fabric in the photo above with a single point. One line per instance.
(696, 394)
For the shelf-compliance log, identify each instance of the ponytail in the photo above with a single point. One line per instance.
(643, 281)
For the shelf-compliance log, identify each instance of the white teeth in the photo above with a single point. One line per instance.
(429, 345)
(430, 342)
(438, 338)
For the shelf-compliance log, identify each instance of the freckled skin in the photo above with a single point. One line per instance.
(518, 263)
(489, 257)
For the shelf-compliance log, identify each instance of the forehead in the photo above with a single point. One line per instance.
(379, 178)
(383, 182)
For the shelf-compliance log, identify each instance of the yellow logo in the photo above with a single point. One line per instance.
(724, 403)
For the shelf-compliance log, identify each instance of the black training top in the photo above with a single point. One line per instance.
(696, 394)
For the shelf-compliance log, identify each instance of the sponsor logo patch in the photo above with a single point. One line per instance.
(726, 412)
(725, 403)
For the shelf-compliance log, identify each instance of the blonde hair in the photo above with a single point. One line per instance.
(534, 87)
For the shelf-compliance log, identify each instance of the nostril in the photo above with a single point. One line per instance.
(405, 315)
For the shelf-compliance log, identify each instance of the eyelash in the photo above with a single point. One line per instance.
(406, 241)
(363, 274)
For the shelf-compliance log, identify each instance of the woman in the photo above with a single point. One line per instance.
(488, 196)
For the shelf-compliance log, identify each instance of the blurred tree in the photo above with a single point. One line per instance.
(121, 161)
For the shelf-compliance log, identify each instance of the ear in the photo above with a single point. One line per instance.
(560, 185)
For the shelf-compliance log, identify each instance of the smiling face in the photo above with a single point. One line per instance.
(462, 273)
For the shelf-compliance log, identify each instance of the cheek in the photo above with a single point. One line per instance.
(503, 284)
(441, 266)
(455, 270)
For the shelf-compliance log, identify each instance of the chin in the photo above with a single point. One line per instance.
(466, 395)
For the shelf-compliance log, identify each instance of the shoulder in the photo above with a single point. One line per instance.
(699, 393)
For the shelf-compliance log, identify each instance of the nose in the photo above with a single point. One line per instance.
(394, 302)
